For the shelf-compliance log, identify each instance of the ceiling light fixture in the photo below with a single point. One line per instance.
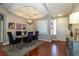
(60, 14)
(29, 22)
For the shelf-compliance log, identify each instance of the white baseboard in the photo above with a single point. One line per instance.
(6, 43)
(45, 40)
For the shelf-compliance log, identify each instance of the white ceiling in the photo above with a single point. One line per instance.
(38, 10)
(59, 9)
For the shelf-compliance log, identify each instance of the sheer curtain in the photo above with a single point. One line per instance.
(42, 26)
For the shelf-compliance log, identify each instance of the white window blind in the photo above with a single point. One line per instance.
(42, 26)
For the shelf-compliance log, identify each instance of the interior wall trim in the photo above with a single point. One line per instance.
(49, 40)
(5, 43)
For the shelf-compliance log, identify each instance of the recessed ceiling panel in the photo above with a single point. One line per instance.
(30, 10)
(38, 10)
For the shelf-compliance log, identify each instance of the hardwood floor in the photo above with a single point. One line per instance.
(55, 48)
(3, 53)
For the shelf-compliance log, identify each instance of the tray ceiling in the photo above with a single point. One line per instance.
(38, 10)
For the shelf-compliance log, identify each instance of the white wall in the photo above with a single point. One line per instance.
(61, 28)
(8, 17)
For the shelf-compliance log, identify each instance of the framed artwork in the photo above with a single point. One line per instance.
(23, 26)
(18, 26)
(11, 25)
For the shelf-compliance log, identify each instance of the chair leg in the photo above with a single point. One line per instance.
(9, 47)
(12, 47)
(19, 45)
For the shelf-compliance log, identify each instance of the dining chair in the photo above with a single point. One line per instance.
(12, 41)
(35, 37)
(18, 33)
(29, 37)
(25, 32)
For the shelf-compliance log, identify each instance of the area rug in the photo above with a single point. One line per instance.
(25, 49)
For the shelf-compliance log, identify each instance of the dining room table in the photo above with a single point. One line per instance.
(21, 37)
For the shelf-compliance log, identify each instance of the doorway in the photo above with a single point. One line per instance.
(53, 28)
(1, 28)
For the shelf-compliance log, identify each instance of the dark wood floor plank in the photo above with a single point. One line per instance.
(3, 53)
(55, 48)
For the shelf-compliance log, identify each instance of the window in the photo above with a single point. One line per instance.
(42, 26)
(53, 27)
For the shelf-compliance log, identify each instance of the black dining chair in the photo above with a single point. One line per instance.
(29, 37)
(35, 37)
(12, 41)
(18, 33)
(25, 32)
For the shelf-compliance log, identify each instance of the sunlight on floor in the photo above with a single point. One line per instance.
(54, 50)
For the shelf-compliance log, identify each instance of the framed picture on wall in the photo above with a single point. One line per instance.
(18, 26)
(23, 26)
(11, 26)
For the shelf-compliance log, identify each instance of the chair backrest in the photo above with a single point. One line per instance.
(18, 33)
(25, 32)
(30, 36)
(11, 40)
(36, 35)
